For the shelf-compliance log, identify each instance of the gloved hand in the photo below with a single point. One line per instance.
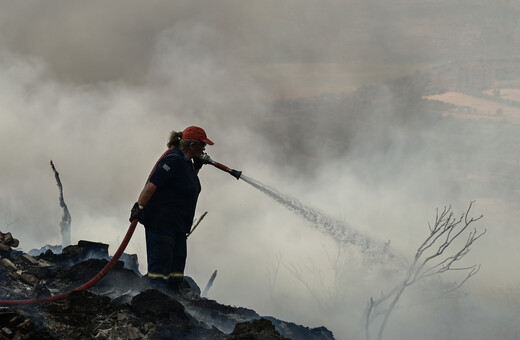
(198, 162)
(135, 212)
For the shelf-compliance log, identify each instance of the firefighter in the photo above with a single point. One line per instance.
(166, 207)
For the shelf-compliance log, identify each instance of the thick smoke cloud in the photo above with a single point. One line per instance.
(97, 87)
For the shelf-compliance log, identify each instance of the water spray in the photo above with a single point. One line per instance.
(375, 249)
(207, 159)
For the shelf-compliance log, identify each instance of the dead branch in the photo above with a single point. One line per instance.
(196, 223)
(209, 284)
(436, 255)
(66, 219)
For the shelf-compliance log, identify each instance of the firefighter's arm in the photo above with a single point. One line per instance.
(146, 194)
(144, 198)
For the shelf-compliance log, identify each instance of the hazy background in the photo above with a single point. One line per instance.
(97, 86)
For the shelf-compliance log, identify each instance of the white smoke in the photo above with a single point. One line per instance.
(97, 89)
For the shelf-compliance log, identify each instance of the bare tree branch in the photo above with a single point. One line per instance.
(431, 258)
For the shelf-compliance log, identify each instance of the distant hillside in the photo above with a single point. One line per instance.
(367, 120)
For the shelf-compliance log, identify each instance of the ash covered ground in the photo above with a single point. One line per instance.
(121, 305)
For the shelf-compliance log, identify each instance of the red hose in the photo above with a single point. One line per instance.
(87, 284)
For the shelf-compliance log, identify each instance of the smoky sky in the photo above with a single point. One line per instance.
(91, 42)
(97, 86)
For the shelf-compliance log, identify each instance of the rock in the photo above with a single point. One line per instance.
(43, 263)
(298, 332)
(53, 249)
(261, 329)
(169, 318)
(86, 249)
(8, 264)
(29, 279)
(5, 249)
(131, 262)
(122, 305)
(10, 241)
(154, 303)
(93, 249)
(29, 259)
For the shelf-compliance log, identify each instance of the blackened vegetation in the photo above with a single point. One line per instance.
(121, 306)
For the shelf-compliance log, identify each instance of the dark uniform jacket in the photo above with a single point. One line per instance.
(172, 206)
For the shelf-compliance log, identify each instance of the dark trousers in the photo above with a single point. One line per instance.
(166, 257)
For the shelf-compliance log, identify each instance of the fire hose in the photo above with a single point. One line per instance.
(235, 173)
(108, 267)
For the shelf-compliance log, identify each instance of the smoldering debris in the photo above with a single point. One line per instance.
(122, 305)
(18, 324)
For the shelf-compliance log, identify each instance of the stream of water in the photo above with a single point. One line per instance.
(377, 250)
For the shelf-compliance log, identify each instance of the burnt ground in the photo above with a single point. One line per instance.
(122, 305)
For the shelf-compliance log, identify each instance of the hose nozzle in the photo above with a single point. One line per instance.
(235, 173)
(206, 159)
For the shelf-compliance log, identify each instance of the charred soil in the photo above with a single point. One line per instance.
(122, 305)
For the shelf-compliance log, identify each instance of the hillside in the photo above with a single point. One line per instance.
(121, 306)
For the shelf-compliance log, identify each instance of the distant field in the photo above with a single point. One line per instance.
(469, 107)
(511, 94)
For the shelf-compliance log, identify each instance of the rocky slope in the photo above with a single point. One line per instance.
(120, 306)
